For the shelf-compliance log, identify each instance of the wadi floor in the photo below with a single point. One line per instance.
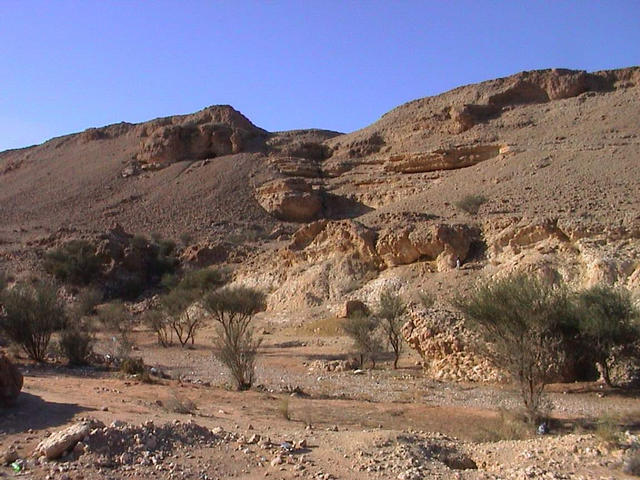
(302, 421)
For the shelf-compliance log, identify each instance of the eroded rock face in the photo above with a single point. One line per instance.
(290, 199)
(214, 131)
(441, 159)
(441, 242)
(11, 381)
(203, 255)
(446, 346)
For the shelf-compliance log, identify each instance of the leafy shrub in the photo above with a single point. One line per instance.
(76, 344)
(31, 315)
(159, 323)
(519, 321)
(471, 203)
(362, 330)
(606, 319)
(75, 262)
(236, 344)
(391, 310)
(179, 315)
(87, 302)
(132, 366)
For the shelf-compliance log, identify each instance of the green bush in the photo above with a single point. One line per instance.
(31, 315)
(236, 344)
(76, 344)
(471, 203)
(87, 302)
(132, 366)
(392, 310)
(520, 324)
(362, 330)
(75, 262)
(606, 319)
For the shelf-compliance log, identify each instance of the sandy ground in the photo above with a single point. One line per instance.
(378, 424)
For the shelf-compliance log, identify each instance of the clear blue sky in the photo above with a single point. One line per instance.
(69, 65)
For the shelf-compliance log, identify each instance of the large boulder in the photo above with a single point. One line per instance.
(290, 199)
(54, 446)
(11, 381)
(441, 242)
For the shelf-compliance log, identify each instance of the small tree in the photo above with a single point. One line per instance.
(159, 322)
(607, 319)
(519, 321)
(182, 318)
(236, 345)
(31, 315)
(362, 330)
(391, 310)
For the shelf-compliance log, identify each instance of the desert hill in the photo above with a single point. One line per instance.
(315, 216)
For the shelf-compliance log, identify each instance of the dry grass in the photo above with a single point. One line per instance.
(177, 403)
(324, 327)
(510, 426)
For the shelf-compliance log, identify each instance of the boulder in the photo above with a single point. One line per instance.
(11, 381)
(203, 255)
(290, 199)
(353, 307)
(54, 446)
(441, 242)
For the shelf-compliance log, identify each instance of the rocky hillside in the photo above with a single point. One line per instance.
(537, 171)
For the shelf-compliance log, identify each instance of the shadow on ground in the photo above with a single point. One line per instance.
(32, 412)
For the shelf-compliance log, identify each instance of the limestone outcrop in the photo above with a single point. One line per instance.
(441, 242)
(441, 159)
(290, 199)
(214, 131)
(446, 347)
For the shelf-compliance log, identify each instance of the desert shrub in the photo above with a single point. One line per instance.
(203, 280)
(75, 262)
(177, 403)
(186, 238)
(76, 344)
(519, 321)
(391, 311)
(87, 301)
(159, 323)
(606, 319)
(31, 315)
(116, 319)
(132, 366)
(471, 203)
(362, 329)
(509, 426)
(4, 281)
(180, 315)
(425, 299)
(236, 345)
(608, 431)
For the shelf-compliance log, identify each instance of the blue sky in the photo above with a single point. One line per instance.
(69, 65)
